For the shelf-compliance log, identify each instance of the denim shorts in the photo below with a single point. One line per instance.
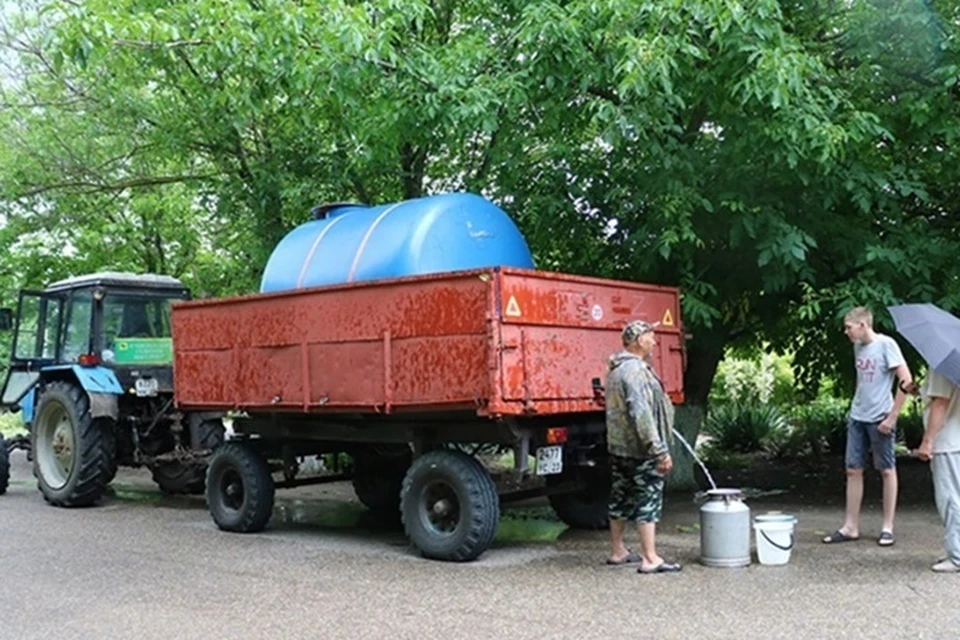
(864, 438)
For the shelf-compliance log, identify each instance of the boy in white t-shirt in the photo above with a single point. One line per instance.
(872, 423)
(941, 446)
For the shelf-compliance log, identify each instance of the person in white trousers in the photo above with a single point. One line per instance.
(941, 446)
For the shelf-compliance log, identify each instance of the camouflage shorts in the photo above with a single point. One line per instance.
(636, 490)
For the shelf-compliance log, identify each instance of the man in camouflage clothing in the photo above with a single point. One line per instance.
(639, 425)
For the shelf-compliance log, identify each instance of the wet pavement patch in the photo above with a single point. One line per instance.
(516, 525)
(331, 514)
(135, 495)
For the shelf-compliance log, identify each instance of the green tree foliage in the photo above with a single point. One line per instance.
(780, 161)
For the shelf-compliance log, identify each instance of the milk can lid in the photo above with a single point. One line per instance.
(725, 494)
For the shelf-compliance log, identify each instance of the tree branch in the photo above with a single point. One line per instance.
(413, 161)
(151, 46)
(606, 94)
(122, 185)
(479, 172)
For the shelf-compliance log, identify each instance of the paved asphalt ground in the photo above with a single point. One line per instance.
(151, 567)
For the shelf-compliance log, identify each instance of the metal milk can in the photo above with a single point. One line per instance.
(725, 529)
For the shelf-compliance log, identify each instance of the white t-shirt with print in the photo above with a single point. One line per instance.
(937, 386)
(875, 362)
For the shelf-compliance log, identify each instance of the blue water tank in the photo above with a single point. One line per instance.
(440, 233)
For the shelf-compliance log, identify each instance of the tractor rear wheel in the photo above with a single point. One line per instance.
(71, 450)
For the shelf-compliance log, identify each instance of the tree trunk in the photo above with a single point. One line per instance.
(689, 417)
(702, 361)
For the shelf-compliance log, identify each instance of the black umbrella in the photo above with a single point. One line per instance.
(934, 333)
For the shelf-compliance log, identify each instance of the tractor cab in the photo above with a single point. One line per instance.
(91, 370)
(109, 330)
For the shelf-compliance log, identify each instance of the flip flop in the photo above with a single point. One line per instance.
(663, 567)
(839, 536)
(886, 539)
(631, 558)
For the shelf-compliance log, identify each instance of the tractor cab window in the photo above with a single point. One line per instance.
(38, 328)
(34, 343)
(76, 340)
(136, 329)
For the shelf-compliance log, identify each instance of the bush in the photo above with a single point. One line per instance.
(713, 456)
(910, 428)
(766, 377)
(11, 424)
(821, 425)
(744, 427)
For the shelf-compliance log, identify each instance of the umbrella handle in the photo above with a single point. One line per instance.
(911, 389)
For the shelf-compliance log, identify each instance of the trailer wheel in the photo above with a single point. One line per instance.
(4, 466)
(586, 508)
(378, 477)
(239, 489)
(71, 450)
(449, 506)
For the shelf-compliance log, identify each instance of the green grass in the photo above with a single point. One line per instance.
(529, 524)
(136, 495)
(529, 530)
(11, 424)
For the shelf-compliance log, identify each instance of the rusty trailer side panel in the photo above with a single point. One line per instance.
(496, 342)
(558, 332)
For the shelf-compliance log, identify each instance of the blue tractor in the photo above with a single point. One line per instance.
(91, 370)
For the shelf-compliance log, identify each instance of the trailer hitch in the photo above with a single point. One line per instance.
(18, 441)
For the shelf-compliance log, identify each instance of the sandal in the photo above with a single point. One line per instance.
(663, 567)
(886, 539)
(839, 536)
(631, 558)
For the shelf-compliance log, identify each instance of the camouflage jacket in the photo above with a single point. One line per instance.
(639, 413)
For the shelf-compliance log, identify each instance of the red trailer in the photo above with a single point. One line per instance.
(403, 374)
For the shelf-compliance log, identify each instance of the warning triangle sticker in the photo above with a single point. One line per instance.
(513, 309)
(667, 319)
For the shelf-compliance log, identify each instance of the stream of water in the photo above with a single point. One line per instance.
(699, 462)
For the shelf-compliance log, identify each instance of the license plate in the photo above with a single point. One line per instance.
(549, 460)
(146, 387)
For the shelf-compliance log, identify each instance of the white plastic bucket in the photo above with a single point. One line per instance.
(774, 532)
